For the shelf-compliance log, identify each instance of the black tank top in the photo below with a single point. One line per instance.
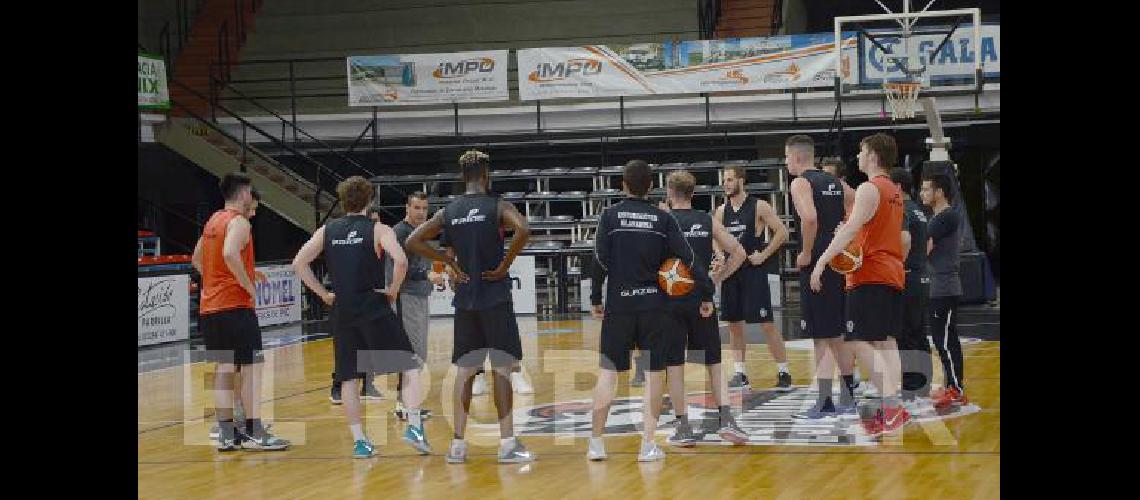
(354, 267)
(741, 224)
(697, 227)
(472, 226)
(827, 194)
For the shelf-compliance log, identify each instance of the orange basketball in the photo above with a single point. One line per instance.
(848, 260)
(437, 266)
(674, 278)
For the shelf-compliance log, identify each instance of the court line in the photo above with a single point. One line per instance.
(144, 431)
(578, 455)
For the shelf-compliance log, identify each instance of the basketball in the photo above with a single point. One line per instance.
(848, 260)
(437, 266)
(674, 278)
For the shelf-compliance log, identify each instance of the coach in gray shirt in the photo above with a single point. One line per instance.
(413, 301)
(945, 287)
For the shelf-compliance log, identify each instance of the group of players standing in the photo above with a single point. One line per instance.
(873, 314)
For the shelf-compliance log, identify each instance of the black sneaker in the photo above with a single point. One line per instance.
(739, 381)
(370, 393)
(638, 379)
(334, 397)
(683, 436)
(784, 381)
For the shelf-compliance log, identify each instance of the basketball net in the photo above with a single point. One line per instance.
(902, 98)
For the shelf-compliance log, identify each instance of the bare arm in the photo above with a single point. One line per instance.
(196, 258)
(510, 218)
(866, 202)
(766, 215)
(724, 239)
(717, 215)
(237, 235)
(848, 198)
(305, 256)
(417, 244)
(386, 240)
(809, 219)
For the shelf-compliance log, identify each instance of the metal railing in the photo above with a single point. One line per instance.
(323, 181)
(188, 225)
(176, 32)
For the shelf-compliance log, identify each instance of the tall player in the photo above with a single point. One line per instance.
(368, 335)
(484, 314)
(818, 198)
(224, 258)
(914, 348)
(695, 325)
(874, 290)
(634, 237)
(744, 295)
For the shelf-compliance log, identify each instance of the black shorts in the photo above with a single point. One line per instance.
(232, 336)
(483, 332)
(691, 332)
(874, 312)
(916, 297)
(621, 332)
(822, 313)
(745, 296)
(373, 343)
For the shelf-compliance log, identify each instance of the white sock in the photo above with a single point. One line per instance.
(739, 365)
(357, 432)
(506, 443)
(783, 367)
(414, 418)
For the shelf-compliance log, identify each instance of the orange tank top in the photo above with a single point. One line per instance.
(881, 239)
(221, 291)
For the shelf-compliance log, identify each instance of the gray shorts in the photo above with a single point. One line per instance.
(414, 312)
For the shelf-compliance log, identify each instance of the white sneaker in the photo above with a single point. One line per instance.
(521, 386)
(457, 452)
(650, 452)
(479, 388)
(596, 449)
(869, 391)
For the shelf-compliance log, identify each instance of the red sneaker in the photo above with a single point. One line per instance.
(946, 398)
(895, 418)
(873, 426)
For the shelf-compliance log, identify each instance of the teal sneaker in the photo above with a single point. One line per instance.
(415, 437)
(362, 449)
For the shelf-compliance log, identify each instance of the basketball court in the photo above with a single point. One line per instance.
(917, 70)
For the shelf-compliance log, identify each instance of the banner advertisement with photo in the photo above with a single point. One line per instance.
(427, 78)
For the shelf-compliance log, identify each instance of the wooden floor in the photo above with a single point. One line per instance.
(951, 458)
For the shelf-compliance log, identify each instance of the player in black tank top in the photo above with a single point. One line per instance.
(695, 326)
(914, 348)
(818, 208)
(484, 323)
(744, 295)
(368, 337)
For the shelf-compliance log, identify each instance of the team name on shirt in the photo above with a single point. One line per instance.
(696, 232)
(636, 220)
(351, 239)
(472, 216)
(639, 291)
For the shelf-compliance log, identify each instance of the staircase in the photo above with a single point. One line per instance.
(281, 189)
(216, 36)
(748, 18)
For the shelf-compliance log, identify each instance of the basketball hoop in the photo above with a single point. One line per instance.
(902, 97)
